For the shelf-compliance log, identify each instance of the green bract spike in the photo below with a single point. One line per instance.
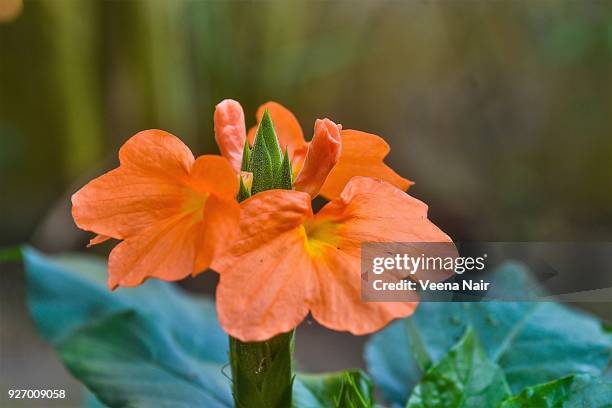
(246, 156)
(261, 166)
(243, 192)
(284, 177)
(266, 159)
(266, 129)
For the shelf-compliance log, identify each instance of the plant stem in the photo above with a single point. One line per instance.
(261, 372)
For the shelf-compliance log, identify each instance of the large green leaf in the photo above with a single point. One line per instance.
(132, 346)
(533, 342)
(346, 389)
(69, 290)
(566, 392)
(464, 378)
(129, 360)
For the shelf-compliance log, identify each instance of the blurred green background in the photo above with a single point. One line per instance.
(501, 112)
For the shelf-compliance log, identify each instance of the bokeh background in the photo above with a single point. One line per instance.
(501, 112)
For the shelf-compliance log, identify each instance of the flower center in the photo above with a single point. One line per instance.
(321, 235)
(194, 206)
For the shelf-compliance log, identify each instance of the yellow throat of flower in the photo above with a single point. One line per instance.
(320, 235)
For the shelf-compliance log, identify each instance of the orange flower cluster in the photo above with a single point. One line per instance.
(277, 260)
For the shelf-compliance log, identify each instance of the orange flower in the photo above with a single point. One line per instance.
(287, 262)
(171, 211)
(323, 154)
(361, 154)
(230, 131)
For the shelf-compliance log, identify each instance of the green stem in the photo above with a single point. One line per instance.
(261, 372)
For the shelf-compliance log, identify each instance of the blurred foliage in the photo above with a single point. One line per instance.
(501, 112)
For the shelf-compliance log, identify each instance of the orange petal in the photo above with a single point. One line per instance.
(322, 156)
(211, 173)
(176, 247)
(166, 250)
(251, 134)
(157, 152)
(338, 305)
(265, 283)
(230, 131)
(220, 225)
(368, 210)
(298, 158)
(287, 127)
(376, 211)
(146, 188)
(98, 239)
(171, 211)
(286, 262)
(362, 154)
(185, 243)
